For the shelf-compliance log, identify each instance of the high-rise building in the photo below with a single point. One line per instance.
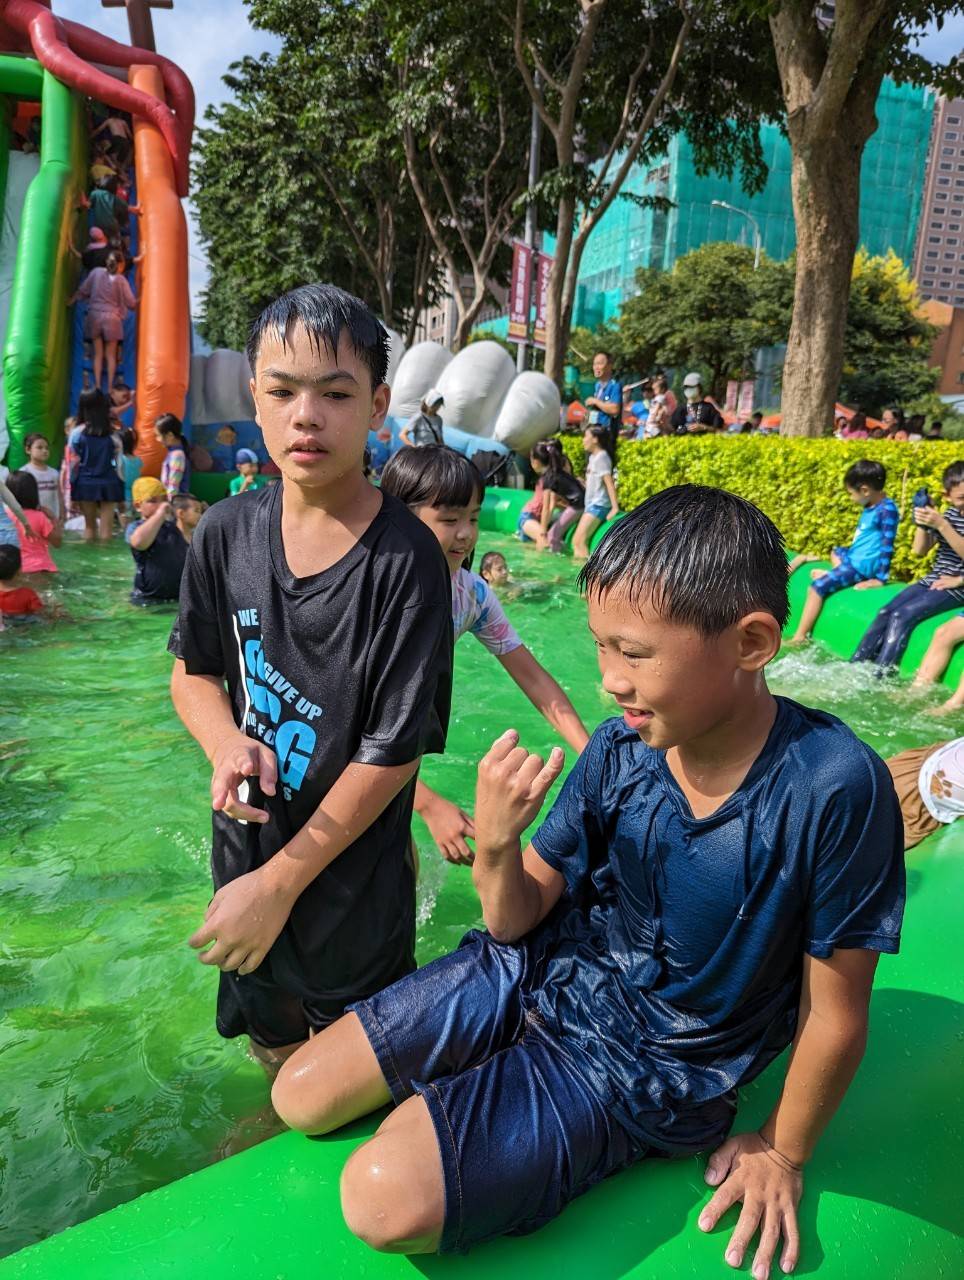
(938, 260)
(629, 237)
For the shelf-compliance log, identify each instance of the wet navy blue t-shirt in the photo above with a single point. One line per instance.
(673, 963)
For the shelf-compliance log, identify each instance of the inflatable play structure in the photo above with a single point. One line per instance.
(51, 71)
(882, 1193)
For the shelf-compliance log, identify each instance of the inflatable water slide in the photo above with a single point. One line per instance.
(49, 68)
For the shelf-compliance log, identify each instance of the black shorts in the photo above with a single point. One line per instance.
(272, 1015)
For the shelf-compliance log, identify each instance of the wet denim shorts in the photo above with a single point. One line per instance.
(519, 1131)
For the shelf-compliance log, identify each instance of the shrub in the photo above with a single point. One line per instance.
(798, 483)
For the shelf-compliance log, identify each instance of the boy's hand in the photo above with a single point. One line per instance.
(236, 759)
(742, 1169)
(243, 920)
(449, 827)
(930, 517)
(511, 788)
(947, 582)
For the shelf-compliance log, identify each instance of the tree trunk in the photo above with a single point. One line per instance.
(557, 320)
(825, 181)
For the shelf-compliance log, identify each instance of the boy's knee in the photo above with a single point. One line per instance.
(378, 1203)
(299, 1108)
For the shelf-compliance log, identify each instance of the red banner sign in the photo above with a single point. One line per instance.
(519, 292)
(542, 296)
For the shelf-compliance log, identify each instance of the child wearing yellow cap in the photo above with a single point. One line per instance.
(159, 539)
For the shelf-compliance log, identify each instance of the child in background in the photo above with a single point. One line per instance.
(248, 478)
(866, 562)
(445, 491)
(937, 592)
(68, 462)
(175, 469)
(35, 551)
(110, 298)
(97, 480)
(13, 519)
(560, 488)
(47, 477)
(159, 540)
(529, 528)
(601, 501)
(715, 882)
(132, 470)
(16, 600)
(494, 569)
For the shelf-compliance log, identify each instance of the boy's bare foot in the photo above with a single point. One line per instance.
(945, 708)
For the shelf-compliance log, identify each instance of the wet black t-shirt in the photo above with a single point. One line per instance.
(159, 566)
(353, 664)
(568, 488)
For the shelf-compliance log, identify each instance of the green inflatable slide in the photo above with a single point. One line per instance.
(37, 271)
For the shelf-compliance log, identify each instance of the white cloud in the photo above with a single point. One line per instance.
(203, 37)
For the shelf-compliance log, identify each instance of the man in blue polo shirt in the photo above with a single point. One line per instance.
(605, 405)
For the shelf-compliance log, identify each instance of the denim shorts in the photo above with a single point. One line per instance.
(523, 517)
(598, 509)
(519, 1131)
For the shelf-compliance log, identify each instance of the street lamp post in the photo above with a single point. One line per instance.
(757, 238)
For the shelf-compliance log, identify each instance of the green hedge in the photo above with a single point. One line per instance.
(798, 483)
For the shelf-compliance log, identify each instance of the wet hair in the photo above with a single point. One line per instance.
(32, 439)
(93, 412)
(128, 441)
(182, 500)
(324, 311)
(705, 557)
(489, 559)
(432, 476)
(23, 486)
(169, 424)
(954, 474)
(10, 561)
(866, 471)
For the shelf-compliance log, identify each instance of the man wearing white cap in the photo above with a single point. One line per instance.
(425, 427)
(697, 415)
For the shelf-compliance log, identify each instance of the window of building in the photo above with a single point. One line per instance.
(932, 253)
(937, 226)
(933, 239)
(945, 167)
(953, 120)
(947, 271)
(947, 151)
(951, 240)
(960, 377)
(940, 195)
(943, 182)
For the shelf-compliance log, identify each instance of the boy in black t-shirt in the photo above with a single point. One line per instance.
(325, 606)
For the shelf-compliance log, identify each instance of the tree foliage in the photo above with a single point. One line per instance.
(712, 312)
(888, 342)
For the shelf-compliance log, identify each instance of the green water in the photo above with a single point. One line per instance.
(112, 1078)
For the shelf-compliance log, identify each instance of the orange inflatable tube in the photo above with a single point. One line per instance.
(163, 302)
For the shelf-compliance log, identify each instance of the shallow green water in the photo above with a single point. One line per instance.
(112, 1078)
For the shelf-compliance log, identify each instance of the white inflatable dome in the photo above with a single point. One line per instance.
(474, 386)
(530, 411)
(420, 367)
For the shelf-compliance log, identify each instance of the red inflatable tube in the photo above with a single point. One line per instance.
(66, 49)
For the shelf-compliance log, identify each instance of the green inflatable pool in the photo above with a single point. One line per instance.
(883, 1197)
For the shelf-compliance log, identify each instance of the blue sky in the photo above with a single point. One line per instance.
(205, 36)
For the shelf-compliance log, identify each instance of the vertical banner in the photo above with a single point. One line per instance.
(519, 292)
(732, 392)
(744, 406)
(542, 294)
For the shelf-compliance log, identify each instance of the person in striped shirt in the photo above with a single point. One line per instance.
(939, 591)
(866, 562)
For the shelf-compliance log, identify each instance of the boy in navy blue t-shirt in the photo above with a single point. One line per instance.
(714, 882)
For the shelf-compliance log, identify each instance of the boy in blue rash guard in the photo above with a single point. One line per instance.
(714, 882)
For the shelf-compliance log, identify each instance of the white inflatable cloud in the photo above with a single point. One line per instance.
(474, 386)
(530, 411)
